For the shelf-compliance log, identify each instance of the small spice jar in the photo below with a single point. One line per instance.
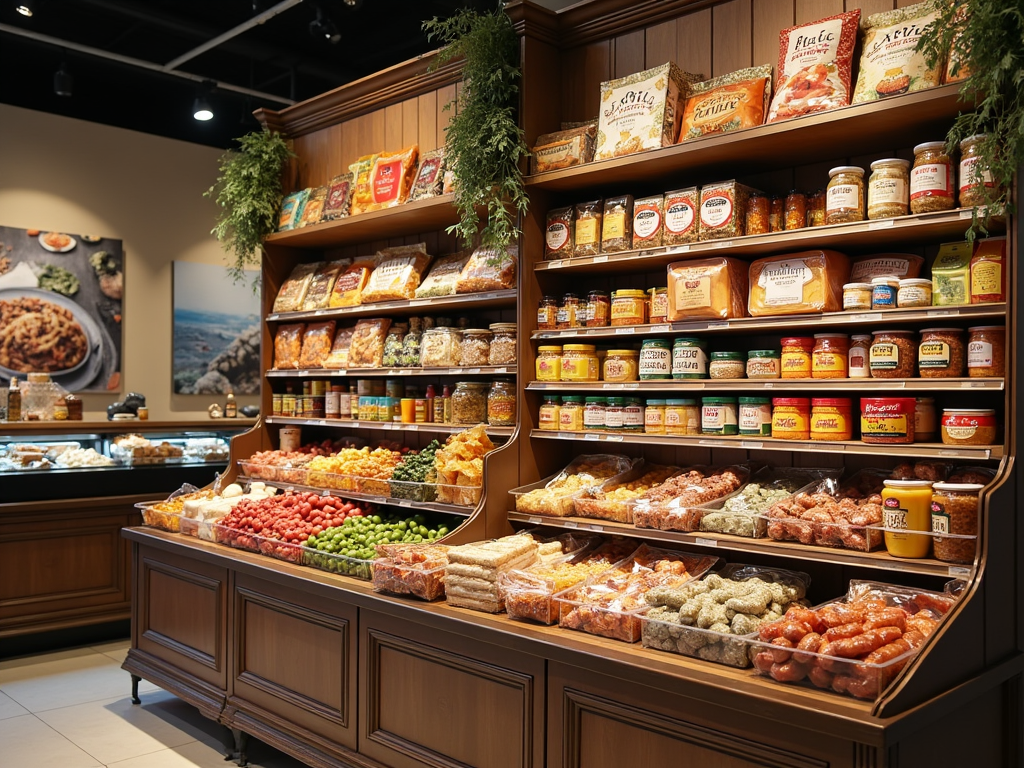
(598, 309)
(844, 198)
(568, 311)
(654, 417)
(884, 292)
(503, 344)
(796, 357)
(796, 210)
(758, 211)
(856, 296)
(549, 363)
(501, 403)
(593, 412)
(887, 420)
(791, 418)
(777, 214)
(940, 354)
(682, 417)
(860, 349)
(547, 417)
(889, 188)
(975, 178)
(580, 363)
(954, 510)
(621, 365)
(830, 357)
(931, 180)
(655, 360)
(658, 304)
(755, 416)
(615, 414)
(986, 351)
(763, 364)
(469, 403)
(831, 418)
(727, 365)
(547, 314)
(893, 355)
(689, 358)
(816, 209)
(969, 426)
(906, 507)
(475, 347)
(629, 307)
(718, 416)
(914, 292)
(570, 415)
(926, 420)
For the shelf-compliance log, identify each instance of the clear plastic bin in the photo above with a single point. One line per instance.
(559, 500)
(296, 475)
(679, 515)
(155, 518)
(594, 502)
(335, 563)
(411, 569)
(860, 538)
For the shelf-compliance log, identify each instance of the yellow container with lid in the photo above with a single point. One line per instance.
(549, 363)
(629, 307)
(654, 417)
(907, 507)
(570, 415)
(580, 363)
(791, 418)
(622, 365)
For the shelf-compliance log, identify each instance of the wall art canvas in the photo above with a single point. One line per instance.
(216, 332)
(61, 296)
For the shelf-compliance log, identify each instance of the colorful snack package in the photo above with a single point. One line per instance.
(489, 270)
(338, 357)
(348, 287)
(798, 283)
(322, 283)
(429, 176)
(707, 288)
(617, 224)
(565, 148)
(293, 293)
(558, 234)
(392, 177)
(367, 347)
(727, 103)
(890, 63)
(443, 276)
(398, 273)
(316, 344)
(313, 208)
(339, 197)
(723, 210)
(291, 210)
(288, 346)
(648, 222)
(362, 184)
(681, 222)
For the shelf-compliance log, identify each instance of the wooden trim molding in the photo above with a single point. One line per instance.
(603, 19)
(208, 699)
(189, 577)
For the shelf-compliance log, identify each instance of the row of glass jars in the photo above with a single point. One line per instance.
(445, 346)
(626, 306)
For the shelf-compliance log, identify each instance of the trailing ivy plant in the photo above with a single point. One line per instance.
(248, 191)
(984, 40)
(483, 142)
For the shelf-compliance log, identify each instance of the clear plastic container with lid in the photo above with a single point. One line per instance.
(969, 426)
(914, 292)
(580, 363)
(796, 357)
(469, 402)
(682, 417)
(889, 188)
(975, 178)
(906, 507)
(763, 364)
(598, 313)
(926, 420)
(549, 363)
(830, 357)
(658, 301)
(856, 296)
(727, 365)
(439, 347)
(547, 314)
(633, 415)
(719, 416)
(503, 344)
(654, 417)
(931, 180)
(569, 312)
(570, 415)
(475, 347)
(986, 351)
(755, 416)
(844, 201)
(954, 511)
(547, 418)
(796, 210)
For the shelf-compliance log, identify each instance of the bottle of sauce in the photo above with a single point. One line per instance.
(14, 401)
(231, 407)
(446, 396)
(431, 399)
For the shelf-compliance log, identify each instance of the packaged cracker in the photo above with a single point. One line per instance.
(489, 270)
(558, 235)
(798, 283)
(392, 177)
(890, 63)
(338, 357)
(288, 346)
(865, 268)
(293, 293)
(648, 222)
(339, 197)
(814, 66)
(727, 103)
(313, 208)
(362, 185)
(348, 287)
(322, 283)
(707, 288)
(398, 273)
(565, 148)
(617, 224)
(681, 222)
(291, 210)
(316, 344)
(443, 276)
(723, 210)
(367, 347)
(429, 176)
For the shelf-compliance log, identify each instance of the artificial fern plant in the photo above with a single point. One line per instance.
(483, 142)
(248, 191)
(984, 40)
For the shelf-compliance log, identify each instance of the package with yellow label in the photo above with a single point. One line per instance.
(707, 288)
(798, 283)
(951, 275)
(362, 184)
(398, 273)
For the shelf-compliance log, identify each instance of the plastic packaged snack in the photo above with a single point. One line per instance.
(338, 357)
(617, 224)
(707, 288)
(293, 293)
(554, 495)
(313, 208)
(864, 269)
(682, 224)
(398, 273)
(316, 344)
(798, 283)
(322, 283)
(291, 210)
(362, 184)
(847, 520)
(558, 234)
(563, 149)
(586, 237)
(813, 78)
(890, 63)
(443, 276)
(339, 197)
(489, 270)
(288, 346)
(392, 177)
(675, 505)
(648, 222)
(723, 210)
(609, 501)
(410, 569)
(367, 347)
(349, 285)
(727, 103)
(429, 175)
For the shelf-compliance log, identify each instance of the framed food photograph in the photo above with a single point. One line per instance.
(61, 299)
(216, 332)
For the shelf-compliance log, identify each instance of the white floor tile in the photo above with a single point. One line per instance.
(28, 741)
(116, 650)
(56, 681)
(10, 708)
(193, 755)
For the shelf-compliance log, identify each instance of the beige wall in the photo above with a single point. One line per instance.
(72, 176)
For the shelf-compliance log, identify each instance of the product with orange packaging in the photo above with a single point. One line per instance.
(391, 178)
(707, 288)
(398, 273)
(316, 344)
(798, 283)
(362, 184)
(322, 283)
(367, 347)
(349, 285)
(727, 103)
(288, 346)
(293, 293)
(682, 224)
(988, 271)
(314, 207)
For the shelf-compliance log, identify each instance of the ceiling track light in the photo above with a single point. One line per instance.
(323, 27)
(26, 7)
(354, 3)
(63, 82)
(201, 109)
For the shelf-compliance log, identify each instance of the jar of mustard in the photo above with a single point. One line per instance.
(682, 417)
(689, 358)
(654, 417)
(844, 197)
(763, 364)
(831, 418)
(594, 412)
(655, 360)
(796, 357)
(830, 357)
(549, 363)
(621, 365)
(658, 304)
(570, 415)
(580, 363)
(547, 417)
(856, 296)
(791, 418)
(755, 416)
(629, 307)
(907, 507)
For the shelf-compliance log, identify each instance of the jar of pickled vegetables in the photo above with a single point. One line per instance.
(889, 188)
(796, 210)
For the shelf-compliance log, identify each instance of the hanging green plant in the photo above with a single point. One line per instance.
(483, 142)
(983, 39)
(248, 191)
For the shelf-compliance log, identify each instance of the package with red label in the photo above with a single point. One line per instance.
(429, 176)
(339, 197)
(558, 235)
(398, 273)
(392, 177)
(815, 61)
(723, 210)
(313, 209)
(648, 222)
(681, 222)
(348, 287)
(362, 185)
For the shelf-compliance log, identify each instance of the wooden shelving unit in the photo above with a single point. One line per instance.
(362, 373)
(768, 386)
(468, 302)
(390, 426)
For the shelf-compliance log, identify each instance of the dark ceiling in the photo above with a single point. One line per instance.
(280, 57)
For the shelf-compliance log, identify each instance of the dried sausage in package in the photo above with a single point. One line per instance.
(489, 270)
(339, 196)
(443, 276)
(429, 175)
(322, 283)
(362, 184)
(316, 344)
(814, 66)
(707, 288)
(890, 63)
(398, 273)
(348, 287)
(391, 178)
(367, 347)
(798, 283)
(727, 103)
(314, 207)
(338, 358)
(288, 346)
(293, 293)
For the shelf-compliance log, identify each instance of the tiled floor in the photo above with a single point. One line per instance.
(73, 709)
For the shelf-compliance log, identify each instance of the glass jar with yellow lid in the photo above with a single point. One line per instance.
(629, 307)
(549, 363)
(580, 363)
(621, 365)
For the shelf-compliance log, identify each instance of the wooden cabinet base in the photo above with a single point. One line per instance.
(321, 667)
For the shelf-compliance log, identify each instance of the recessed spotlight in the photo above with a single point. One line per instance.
(63, 82)
(201, 109)
(25, 7)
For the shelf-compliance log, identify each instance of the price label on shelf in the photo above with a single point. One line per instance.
(614, 438)
(324, 422)
(705, 542)
(597, 528)
(973, 384)
(570, 524)
(881, 224)
(555, 264)
(751, 444)
(678, 249)
(968, 213)
(567, 435)
(717, 326)
(501, 370)
(625, 330)
(769, 384)
(631, 385)
(600, 259)
(591, 436)
(472, 370)
(614, 386)
(404, 503)
(325, 492)
(419, 302)
(721, 244)
(865, 317)
(716, 443)
(943, 313)
(959, 571)
(535, 521)
(320, 312)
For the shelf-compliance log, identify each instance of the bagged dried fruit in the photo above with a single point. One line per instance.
(443, 276)
(316, 344)
(293, 293)
(349, 285)
(313, 208)
(367, 347)
(322, 283)
(288, 346)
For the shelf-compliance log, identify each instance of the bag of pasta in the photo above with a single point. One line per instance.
(316, 344)
(489, 269)
(362, 184)
(293, 293)
(392, 177)
(367, 347)
(338, 357)
(288, 346)
(398, 273)
(443, 276)
(349, 285)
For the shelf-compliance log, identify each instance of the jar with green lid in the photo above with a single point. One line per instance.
(689, 358)
(594, 412)
(655, 360)
(654, 417)
(763, 364)
(570, 415)
(615, 413)
(633, 415)
(727, 365)
(718, 416)
(547, 418)
(755, 416)
(682, 417)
